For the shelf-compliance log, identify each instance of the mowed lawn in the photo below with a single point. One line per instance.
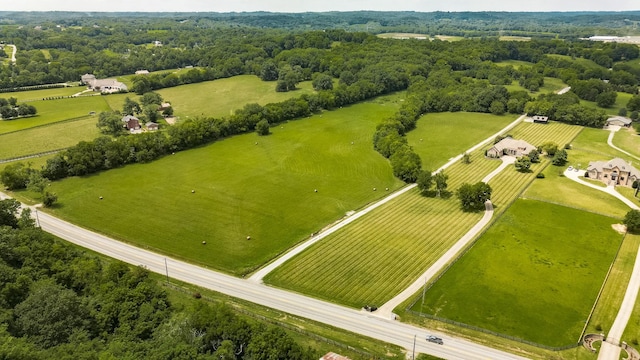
(629, 140)
(380, 254)
(46, 138)
(51, 111)
(440, 136)
(246, 185)
(534, 275)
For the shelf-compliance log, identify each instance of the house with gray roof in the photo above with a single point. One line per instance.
(613, 172)
(619, 121)
(510, 147)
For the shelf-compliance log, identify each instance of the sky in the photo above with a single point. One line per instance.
(318, 5)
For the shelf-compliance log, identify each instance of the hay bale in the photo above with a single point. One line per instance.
(248, 237)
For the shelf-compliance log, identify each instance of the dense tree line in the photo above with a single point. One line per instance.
(57, 301)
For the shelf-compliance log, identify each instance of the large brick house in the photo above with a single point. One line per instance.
(613, 172)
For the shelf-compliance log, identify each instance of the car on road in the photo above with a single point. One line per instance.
(435, 339)
(370, 308)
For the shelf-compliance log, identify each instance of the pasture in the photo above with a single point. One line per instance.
(246, 185)
(536, 280)
(380, 254)
(437, 131)
(51, 111)
(49, 137)
(515, 63)
(218, 98)
(550, 85)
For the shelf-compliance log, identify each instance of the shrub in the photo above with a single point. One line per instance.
(540, 176)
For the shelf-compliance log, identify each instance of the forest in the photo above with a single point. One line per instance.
(57, 301)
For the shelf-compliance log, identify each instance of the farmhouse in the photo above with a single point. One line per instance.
(102, 85)
(613, 172)
(511, 147)
(131, 122)
(619, 121)
(540, 119)
(151, 126)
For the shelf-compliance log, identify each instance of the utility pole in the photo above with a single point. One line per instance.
(413, 357)
(166, 267)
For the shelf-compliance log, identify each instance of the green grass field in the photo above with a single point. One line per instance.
(51, 111)
(629, 140)
(550, 85)
(632, 331)
(535, 274)
(515, 63)
(380, 254)
(34, 95)
(263, 190)
(613, 292)
(218, 98)
(438, 129)
(46, 138)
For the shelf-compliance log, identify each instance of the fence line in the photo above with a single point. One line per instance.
(23, 157)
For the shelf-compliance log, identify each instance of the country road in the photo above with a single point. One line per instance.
(356, 321)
